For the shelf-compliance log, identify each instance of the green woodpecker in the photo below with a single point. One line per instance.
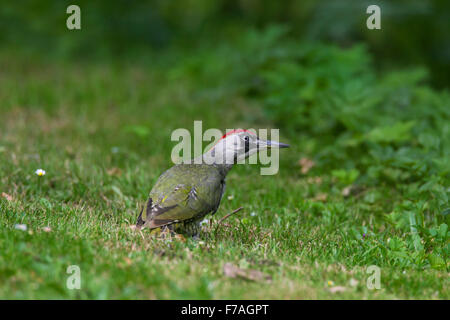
(185, 193)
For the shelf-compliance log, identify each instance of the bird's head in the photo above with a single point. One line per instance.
(238, 145)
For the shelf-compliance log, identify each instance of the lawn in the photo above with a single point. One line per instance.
(339, 204)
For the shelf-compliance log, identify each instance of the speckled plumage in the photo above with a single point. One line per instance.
(182, 196)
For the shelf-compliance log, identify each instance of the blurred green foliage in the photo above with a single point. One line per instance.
(413, 32)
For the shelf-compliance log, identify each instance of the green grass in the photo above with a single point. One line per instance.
(102, 133)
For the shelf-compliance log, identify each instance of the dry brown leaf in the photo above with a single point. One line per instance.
(7, 196)
(306, 164)
(320, 197)
(114, 171)
(353, 282)
(314, 180)
(180, 237)
(232, 271)
(337, 289)
(257, 275)
(346, 191)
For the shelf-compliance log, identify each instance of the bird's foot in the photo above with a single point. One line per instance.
(180, 237)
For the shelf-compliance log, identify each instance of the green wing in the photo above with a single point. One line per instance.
(181, 204)
(183, 192)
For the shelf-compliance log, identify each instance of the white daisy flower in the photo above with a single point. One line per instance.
(40, 172)
(115, 149)
(22, 227)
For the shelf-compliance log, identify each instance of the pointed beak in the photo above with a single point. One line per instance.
(273, 144)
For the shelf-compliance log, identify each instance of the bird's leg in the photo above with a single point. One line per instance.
(167, 232)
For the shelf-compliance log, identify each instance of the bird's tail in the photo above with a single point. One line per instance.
(140, 222)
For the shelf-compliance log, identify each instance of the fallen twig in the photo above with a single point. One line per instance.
(227, 216)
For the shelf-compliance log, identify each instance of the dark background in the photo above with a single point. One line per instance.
(414, 32)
